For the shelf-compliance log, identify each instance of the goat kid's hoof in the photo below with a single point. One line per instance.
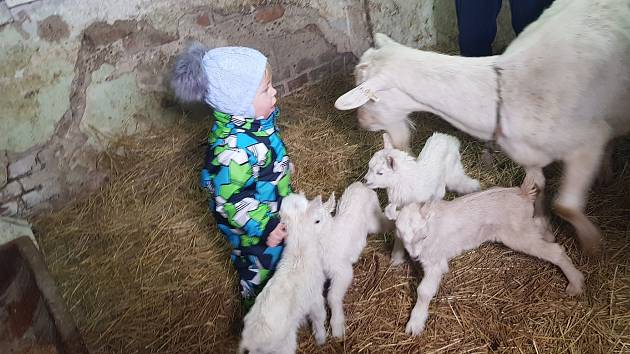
(414, 328)
(320, 339)
(338, 329)
(397, 259)
(574, 289)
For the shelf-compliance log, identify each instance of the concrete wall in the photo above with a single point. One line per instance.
(73, 73)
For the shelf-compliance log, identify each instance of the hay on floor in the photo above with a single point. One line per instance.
(144, 270)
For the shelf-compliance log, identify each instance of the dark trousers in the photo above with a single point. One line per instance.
(477, 22)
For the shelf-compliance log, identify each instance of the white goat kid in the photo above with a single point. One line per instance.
(296, 289)
(358, 214)
(437, 231)
(558, 93)
(408, 180)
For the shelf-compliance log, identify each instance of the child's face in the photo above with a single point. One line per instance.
(265, 98)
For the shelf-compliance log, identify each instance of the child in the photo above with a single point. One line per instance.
(246, 171)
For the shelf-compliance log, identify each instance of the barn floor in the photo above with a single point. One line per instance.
(144, 270)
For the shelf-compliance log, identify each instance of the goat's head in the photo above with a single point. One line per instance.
(363, 202)
(301, 215)
(384, 164)
(379, 102)
(411, 225)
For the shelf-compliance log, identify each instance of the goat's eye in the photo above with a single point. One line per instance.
(379, 173)
(317, 221)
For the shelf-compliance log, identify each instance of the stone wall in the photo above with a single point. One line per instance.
(74, 73)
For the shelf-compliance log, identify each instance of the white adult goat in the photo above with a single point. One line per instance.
(560, 92)
(358, 214)
(296, 289)
(437, 231)
(410, 180)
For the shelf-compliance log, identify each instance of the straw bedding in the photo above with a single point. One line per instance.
(143, 269)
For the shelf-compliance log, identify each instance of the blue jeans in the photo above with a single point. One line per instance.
(477, 22)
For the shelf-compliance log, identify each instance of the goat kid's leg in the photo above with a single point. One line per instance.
(426, 291)
(318, 318)
(579, 170)
(531, 243)
(339, 285)
(539, 181)
(400, 134)
(398, 253)
(457, 180)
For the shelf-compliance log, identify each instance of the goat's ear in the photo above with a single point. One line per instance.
(330, 203)
(381, 40)
(358, 96)
(315, 203)
(390, 162)
(387, 141)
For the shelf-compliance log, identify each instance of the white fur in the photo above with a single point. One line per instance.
(409, 180)
(440, 230)
(358, 214)
(296, 289)
(562, 87)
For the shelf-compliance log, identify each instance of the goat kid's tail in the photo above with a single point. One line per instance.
(529, 189)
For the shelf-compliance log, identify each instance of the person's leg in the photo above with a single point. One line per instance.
(255, 265)
(525, 12)
(477, 24)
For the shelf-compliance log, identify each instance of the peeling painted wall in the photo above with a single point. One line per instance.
(428, 24)
(74, 73)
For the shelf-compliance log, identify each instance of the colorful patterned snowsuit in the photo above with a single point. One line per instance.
(246, 175)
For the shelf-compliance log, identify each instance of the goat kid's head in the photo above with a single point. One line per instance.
(383, 165)
(300, 214)
(412, 226)
(378, 102)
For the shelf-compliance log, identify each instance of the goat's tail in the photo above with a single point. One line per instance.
(528, 188)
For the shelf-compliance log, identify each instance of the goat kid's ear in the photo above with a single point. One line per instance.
(358, 96)
(330, 203)
(390, 162)
(387, 141)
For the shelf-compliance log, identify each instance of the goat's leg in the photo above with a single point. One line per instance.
(398, 252)
(290, 344)
(318, 318)
(539, 181)
(426, 290)
(339, 285)
(529, 242)
(606, 171)
(400, 134)
(579, 170)
(457, 180)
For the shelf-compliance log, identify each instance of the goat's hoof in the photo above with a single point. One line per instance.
(588, 234)
(320, 339)
(574, 289)
(414, 328)
(397, 260)
(338, 328)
